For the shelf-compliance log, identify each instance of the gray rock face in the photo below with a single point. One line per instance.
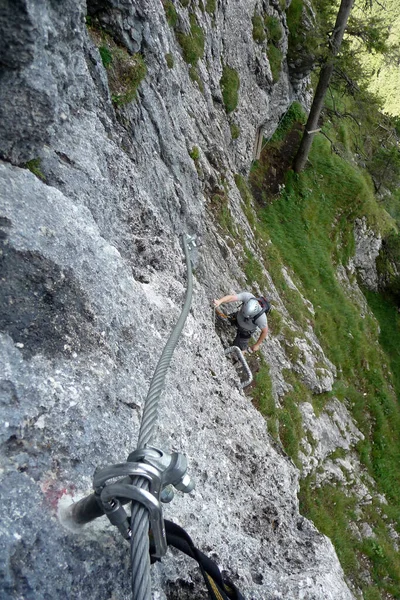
(368, 245)
(92, 283)
(333, 429)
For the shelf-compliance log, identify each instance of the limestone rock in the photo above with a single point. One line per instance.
(94, 281)
(368, 245)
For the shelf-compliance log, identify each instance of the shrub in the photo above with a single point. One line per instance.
(230, 84)
(192, 44)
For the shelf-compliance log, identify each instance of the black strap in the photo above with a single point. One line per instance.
(219, 587)
(265, 308)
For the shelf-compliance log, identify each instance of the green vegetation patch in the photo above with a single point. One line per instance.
(192, 44)
(275, 57)
(194, 153)
(125, 72)
(220, 208)
(263, 400)
(252, 268)
(295, 114)
(291, 430)
(259, 34)
(170, 13)
(268, 28)
(332, 509)
(169, 60)
(34, 166)
(105, 55)
(211, 6)
(310, 225)
(194, 76)
(274, 29)
(235, 131)
(230, 84)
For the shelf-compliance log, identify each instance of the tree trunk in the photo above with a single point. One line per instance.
(311, 127)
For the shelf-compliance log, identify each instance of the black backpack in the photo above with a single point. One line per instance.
(265, 308)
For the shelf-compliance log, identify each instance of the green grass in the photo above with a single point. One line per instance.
(275, 57)
(128, 74)
(294, 114)
(219, 206)
(106, 56)
(259, 34)
(389, 322)
(311, 228)
(263, 399)
(293, 16)
(331, 510)
(194, 76)
(230, 84)
(169, 60)
(274, 29)
(192, 44)
(170, 13)
(252, 268)
(125, 72)
(235, 131)
(34, 166)
(211, 5)
(194, 153)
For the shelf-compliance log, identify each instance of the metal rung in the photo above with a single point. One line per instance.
(239, 354)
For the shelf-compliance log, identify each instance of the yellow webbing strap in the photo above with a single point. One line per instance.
(215, 588)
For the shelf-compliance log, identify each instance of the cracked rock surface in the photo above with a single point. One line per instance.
(92, 283)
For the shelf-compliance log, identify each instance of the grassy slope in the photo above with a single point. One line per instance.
(310, 225)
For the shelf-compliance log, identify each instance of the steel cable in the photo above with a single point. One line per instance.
(140, 557)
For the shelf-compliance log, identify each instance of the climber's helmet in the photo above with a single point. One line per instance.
(250, 309)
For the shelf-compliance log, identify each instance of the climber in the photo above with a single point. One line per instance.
(251, 314)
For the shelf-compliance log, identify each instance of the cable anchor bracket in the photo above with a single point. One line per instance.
(162, 471)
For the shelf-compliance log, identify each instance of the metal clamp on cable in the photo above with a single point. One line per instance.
(162, 470)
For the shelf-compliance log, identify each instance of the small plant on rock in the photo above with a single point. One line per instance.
(170, 13)
(170, 61)
(125, 72)
(235, 131)
(106, 56)
(194, 76)
(192, 44)
(211, 6)
(230, 84)
(259, 34)
(194, 153)
(34, 167)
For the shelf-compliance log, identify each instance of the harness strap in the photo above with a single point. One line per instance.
(219, 587)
